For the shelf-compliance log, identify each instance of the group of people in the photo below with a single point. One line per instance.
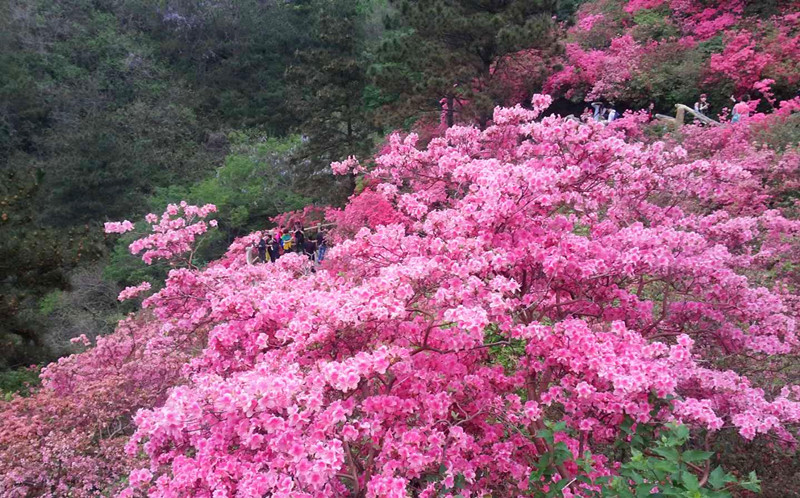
(741, 107)
(604, 113)
(277, 243)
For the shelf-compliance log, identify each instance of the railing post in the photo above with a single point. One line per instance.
(679, 116)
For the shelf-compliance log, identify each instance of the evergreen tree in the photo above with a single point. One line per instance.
(440, 54)
(328, 81)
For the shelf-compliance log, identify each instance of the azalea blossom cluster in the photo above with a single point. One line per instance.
(174, 232)
(133, 291)
(481, 287)
(308, 216)
(349, 165)
(118, 226)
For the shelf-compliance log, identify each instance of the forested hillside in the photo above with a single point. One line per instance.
(540, 280)
(108, 108)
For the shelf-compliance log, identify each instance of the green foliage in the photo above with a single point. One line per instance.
(672, 78)
(125, 269)
(48, 303)
(254, 184)
(659, 464)
(670, 468)
(504, 351)
(34, 260)
(781, 134)
(653, 24)
(19, 381)
(104, 103)
(234, 54)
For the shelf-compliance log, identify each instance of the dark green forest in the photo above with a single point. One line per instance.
(110, 109)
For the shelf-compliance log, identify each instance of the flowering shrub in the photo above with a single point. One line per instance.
(628, 49)
(309, 215)
(68, 438)
(522, 298)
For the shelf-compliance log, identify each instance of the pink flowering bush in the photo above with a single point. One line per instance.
(68, 438)
(608, 275)
(515, 299)
(669, 50)
(308, 216)
(118, 227)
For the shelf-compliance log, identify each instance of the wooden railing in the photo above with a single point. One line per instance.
(680, 115)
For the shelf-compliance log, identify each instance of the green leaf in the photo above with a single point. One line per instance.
(751, 486)
(545, 434)
(752, 483)
(696, 455)
(666, 466)
(690, 481)
(672, 491)
(681, 432)
(718, 478)
(562, 453)
(670, 454)
(626, 425)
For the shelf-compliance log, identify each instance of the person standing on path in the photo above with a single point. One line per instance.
(299, 238)
(310, 248)
(701, 106)
(262, 250)
(250, 254)
(742, 109)
(273, 247)
(322, 247)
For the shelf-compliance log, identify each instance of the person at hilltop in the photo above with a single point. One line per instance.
(322, 247)
(651, 111)
(310, 248)
(611, 113)
(274, 247)
(299, 238)
(262, 250)
(286, 242)
(250, 253)
(701, 106)
(741, 109)
(599, 111)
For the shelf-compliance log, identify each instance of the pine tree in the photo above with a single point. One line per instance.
(440, 54)
(327, 85)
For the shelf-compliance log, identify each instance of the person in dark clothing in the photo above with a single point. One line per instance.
(299, 239)
(310, 248)
(274, 247)
(262, 250)
(322, 247)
